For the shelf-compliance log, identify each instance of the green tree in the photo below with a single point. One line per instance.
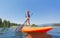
(5, 23)
(8, 23)
(0, 22)
(34, 25)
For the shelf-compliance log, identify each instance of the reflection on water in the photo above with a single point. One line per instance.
(11, 33)
(38, 35)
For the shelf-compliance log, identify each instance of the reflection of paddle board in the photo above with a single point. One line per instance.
(36, 29)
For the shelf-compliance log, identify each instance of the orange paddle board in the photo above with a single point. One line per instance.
(36, 29)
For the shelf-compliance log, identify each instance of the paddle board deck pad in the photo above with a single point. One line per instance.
(36, 29)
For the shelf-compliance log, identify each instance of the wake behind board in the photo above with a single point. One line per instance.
(36, 29)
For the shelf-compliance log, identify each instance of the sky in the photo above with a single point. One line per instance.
(44, 11)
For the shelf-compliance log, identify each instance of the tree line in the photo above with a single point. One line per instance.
(6, 23)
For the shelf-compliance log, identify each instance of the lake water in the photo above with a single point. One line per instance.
(11, 33)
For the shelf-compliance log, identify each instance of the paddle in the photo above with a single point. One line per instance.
(21, 26)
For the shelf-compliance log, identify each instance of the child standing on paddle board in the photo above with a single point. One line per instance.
(27, 17)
